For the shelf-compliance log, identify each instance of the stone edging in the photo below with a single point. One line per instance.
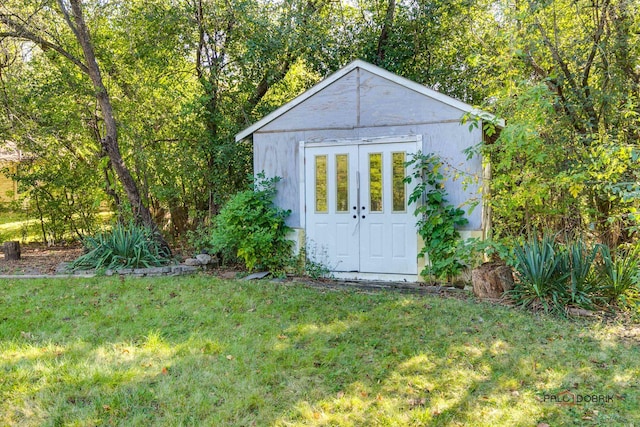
(62, 273)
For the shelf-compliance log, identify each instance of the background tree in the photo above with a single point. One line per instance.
(23, 27)
(573, 114)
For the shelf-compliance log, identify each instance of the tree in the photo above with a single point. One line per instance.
(569, 89)
(243, 50)
(21, 28)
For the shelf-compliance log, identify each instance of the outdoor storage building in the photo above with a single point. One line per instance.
(340, 148)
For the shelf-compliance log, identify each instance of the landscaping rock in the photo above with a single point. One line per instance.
(491, 280)
(256, 276)
(152, 271)
(193, 262)
(204, 259)
(178, 270)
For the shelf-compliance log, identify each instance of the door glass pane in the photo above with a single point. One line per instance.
(321, 184)
(398, 188)
(375, 182)
(342, 182)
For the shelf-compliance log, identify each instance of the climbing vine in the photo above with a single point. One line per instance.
(438, 219)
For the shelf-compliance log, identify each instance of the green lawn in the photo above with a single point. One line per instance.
(202, 351)
(14, 226)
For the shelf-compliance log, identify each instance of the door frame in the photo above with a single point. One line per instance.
(417, 139)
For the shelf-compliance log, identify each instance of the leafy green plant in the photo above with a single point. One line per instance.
(253, 228)
(556, 276)
(124, 246)
(619, 273)
(542, 273)
(438, 220)
(583, 288)
(313, 261)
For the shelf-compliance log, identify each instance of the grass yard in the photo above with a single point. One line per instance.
(202, 351)
(13, 226)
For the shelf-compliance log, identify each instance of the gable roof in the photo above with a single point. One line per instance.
(409, 84)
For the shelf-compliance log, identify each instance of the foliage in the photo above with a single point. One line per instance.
(494, 249)
(565, 160)
(584, 288)
(620, 273)
(124, 246)
(562, 73)
(253, 228)
(555, 275)
(66, 207)
(541, 273)
(313, 261)
(437, 220)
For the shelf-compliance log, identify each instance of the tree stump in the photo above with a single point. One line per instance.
(11, 250)
(491, 280)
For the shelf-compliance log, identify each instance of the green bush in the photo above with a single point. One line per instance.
(555, 276)
(541, 270)
(130, 246)
(619, 273)
(438, 220)
(580, 261)
(254, 229)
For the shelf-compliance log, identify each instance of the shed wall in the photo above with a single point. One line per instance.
(276, 153)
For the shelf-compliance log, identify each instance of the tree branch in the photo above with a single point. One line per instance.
(22, 32)
(67, 18)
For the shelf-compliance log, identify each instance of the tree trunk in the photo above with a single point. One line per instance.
(110, 140)
(491, 280)
(384, 34)
(11, 250)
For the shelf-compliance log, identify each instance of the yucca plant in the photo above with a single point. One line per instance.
(619, 272)
(129, 246)
(541, 267)
(583, 284)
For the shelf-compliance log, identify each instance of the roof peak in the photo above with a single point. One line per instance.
(374, 69)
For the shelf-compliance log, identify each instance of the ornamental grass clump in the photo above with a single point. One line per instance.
(124, 246)
(542, 273)
(555, 276)
(619, 274)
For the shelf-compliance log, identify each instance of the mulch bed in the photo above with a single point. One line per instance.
(40, 259)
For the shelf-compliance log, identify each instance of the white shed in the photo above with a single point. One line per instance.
(340, 148)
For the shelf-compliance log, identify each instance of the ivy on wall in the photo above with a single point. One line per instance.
(438, 219)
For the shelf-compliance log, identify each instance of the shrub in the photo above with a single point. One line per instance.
(250, 226)
(130, 246)
(583, 288)
(555, 276)
(541, 270)
(619, 273)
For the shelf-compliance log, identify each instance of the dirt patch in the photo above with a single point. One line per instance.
(39, 259)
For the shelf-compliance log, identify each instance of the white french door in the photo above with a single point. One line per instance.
(356, 212)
